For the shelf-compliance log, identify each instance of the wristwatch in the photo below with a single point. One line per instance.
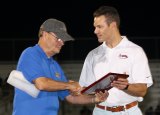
(126, 87)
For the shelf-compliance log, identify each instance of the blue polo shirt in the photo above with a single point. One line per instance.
(34, 63)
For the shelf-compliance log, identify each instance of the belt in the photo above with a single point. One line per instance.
(117, 108)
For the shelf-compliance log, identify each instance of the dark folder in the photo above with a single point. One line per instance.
(103, 83)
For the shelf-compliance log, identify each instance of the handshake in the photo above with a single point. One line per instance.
(17, 79)
(74, 87)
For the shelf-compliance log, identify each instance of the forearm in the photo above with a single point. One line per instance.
(138, 90)
(50, 85)
(88, 99)
(81, 99)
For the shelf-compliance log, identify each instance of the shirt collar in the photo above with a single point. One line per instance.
(122, 42)
(37, 46)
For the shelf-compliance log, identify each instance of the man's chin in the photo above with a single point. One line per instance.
(57, 52)
(100, 41)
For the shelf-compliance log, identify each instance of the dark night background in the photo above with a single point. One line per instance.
(20, 22)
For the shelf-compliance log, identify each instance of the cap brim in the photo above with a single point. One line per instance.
(64, 36)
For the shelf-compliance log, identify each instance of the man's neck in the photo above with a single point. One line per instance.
(114, 42)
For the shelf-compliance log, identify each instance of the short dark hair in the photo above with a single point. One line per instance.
(109, 12)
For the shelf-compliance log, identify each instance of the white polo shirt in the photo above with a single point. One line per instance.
(126, 57)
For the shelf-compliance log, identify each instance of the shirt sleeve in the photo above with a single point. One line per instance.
(140, 69)
(30, 65)
(87, 75)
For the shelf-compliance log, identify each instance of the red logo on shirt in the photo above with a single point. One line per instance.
(121, 56)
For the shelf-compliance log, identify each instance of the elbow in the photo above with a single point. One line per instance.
(41, 83)
(143, 93)
(40, 86)
(141, 90)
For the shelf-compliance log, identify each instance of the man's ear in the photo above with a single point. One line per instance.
(45, 34)
(113, 25)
